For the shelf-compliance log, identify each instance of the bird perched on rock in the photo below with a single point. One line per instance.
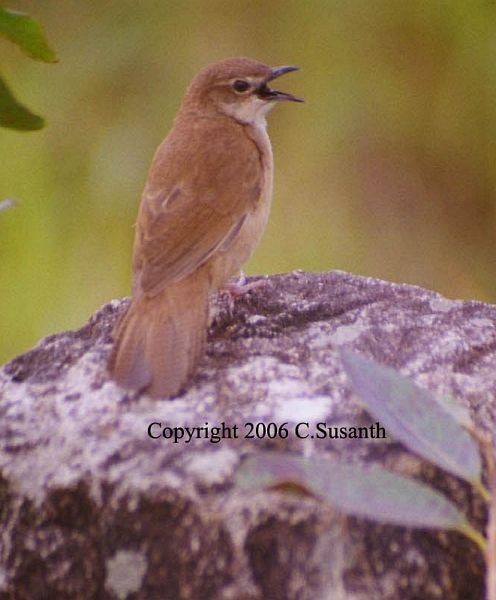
(203, 212)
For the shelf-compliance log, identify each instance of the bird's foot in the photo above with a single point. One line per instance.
(237, 288)
(240, 287)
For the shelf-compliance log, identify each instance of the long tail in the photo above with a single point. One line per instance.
(160, 340)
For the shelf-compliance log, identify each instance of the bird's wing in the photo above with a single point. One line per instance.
(196, 209)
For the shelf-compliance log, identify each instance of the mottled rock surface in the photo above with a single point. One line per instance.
(92, 507)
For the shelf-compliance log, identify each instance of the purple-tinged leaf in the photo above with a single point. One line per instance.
(459, 412)
(373, 493)
(414, 417)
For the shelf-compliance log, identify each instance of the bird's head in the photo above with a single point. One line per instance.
(238, 88)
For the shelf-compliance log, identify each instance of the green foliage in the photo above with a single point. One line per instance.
(15, 115)
(28, 35)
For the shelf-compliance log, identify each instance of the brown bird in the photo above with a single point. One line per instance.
(203, 212)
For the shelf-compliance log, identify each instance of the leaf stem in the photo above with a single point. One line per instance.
(477, 538)
(483, 491)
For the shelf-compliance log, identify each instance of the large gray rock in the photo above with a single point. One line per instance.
(92, 507)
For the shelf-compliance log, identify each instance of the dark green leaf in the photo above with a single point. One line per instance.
(373, 493)
(27, 34)
(15, 115)
(414, 417)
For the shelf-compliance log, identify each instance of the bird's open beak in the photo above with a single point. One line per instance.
(266, 93)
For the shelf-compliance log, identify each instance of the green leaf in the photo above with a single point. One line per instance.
(27, 34)
(373, 493)
(414, 417)
(15, 115)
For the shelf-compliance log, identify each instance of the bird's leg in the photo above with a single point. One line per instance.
(239, 287)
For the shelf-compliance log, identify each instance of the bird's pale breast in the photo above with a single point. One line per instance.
(229, 261)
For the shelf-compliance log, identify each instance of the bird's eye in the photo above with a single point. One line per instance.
(240, 85)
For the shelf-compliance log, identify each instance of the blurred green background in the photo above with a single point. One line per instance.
(388, 170)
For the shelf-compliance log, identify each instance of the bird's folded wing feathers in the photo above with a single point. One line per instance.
(182, 225)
